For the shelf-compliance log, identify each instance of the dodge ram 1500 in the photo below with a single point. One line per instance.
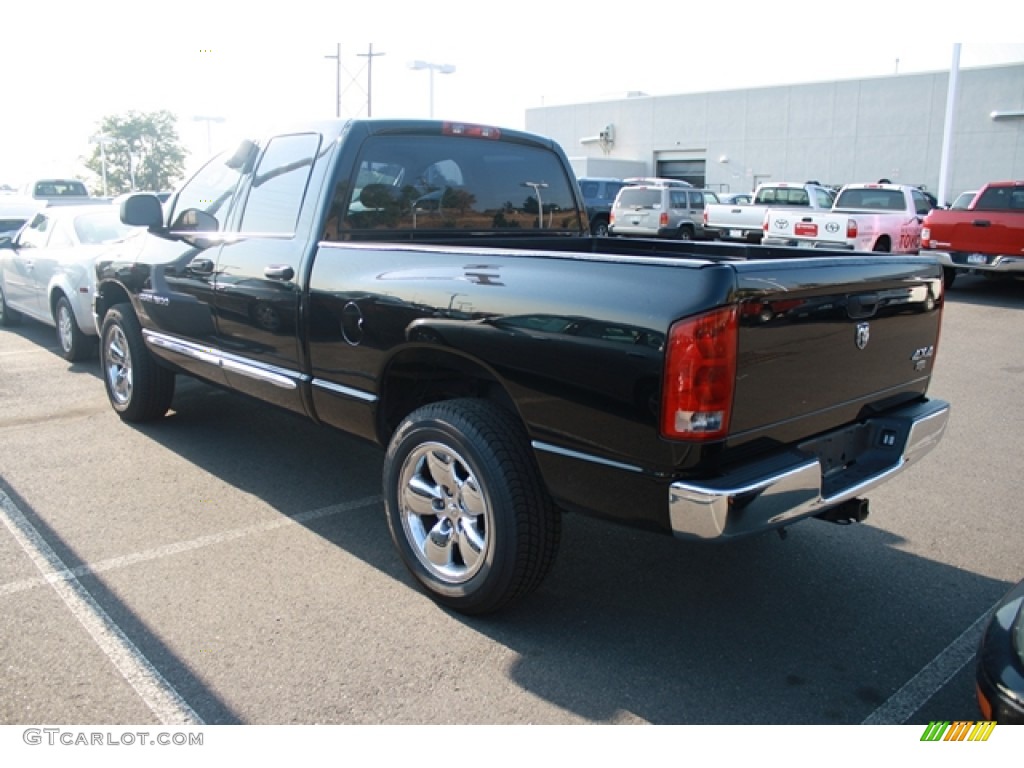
(431, 287)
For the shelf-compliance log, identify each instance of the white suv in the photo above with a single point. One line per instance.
(661, 211)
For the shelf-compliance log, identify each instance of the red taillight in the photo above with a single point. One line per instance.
(663, 219)
(700, 374)
(467, 129)
(851, 228)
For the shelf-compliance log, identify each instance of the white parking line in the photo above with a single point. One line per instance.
(170, 708)
(930, 680)
(183, 546)
(154, 690)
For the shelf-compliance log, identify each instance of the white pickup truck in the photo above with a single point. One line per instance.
(865, 217)
(728, 221)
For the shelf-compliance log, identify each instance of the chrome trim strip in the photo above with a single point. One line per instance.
(727, 508)
(278, 377)
(549, 448)
(338, 389)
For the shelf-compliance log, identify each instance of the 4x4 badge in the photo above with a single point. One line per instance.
(863, 335)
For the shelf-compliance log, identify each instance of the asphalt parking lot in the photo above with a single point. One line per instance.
(232, 564)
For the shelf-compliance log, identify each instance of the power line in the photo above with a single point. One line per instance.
(369, 56)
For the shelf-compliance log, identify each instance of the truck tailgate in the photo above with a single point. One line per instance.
(987, 232)
(735, 217)
(823, 342)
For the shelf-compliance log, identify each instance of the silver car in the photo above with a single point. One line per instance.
(660, 211)
(47, 271)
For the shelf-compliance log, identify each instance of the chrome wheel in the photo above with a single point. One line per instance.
(65, 327)
(466, 506)
(118, 366)
(445, 514)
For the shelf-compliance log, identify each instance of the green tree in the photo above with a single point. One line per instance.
(140, 147)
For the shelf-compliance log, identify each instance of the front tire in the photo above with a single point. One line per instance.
(138, 388)
(466, 507)
(74, 345)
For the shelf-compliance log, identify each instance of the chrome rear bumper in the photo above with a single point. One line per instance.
(806, 481)
(981, 262)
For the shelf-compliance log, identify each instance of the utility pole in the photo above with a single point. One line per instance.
(369, 78)
(337, 80)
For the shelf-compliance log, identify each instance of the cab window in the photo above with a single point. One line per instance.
(450, 183)
(921, 203)
(279, 185)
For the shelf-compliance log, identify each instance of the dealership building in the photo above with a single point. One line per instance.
(835, 133)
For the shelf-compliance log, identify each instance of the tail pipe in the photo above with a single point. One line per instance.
(850, 511)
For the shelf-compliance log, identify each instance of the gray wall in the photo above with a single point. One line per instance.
(835, 133)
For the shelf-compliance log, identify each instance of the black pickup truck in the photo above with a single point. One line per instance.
(433, 287)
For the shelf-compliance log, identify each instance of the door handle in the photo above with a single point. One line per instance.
(862, 306)
(982, 223)
(278, 272)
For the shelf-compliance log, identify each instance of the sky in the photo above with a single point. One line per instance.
(250, 65)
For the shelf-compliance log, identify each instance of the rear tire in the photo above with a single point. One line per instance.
(74, 345)
(8, 317)
(686, 232)
(466, 506)
(138, 388)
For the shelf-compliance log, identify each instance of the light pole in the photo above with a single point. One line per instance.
(208, 119)
(102, 140)
(444, 69)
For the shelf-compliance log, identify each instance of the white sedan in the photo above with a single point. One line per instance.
(47, 271)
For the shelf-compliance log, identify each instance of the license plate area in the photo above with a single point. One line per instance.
(851, 455)
(806, 230)
(977, 258)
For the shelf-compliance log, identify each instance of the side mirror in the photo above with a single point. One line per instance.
(142, 210)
